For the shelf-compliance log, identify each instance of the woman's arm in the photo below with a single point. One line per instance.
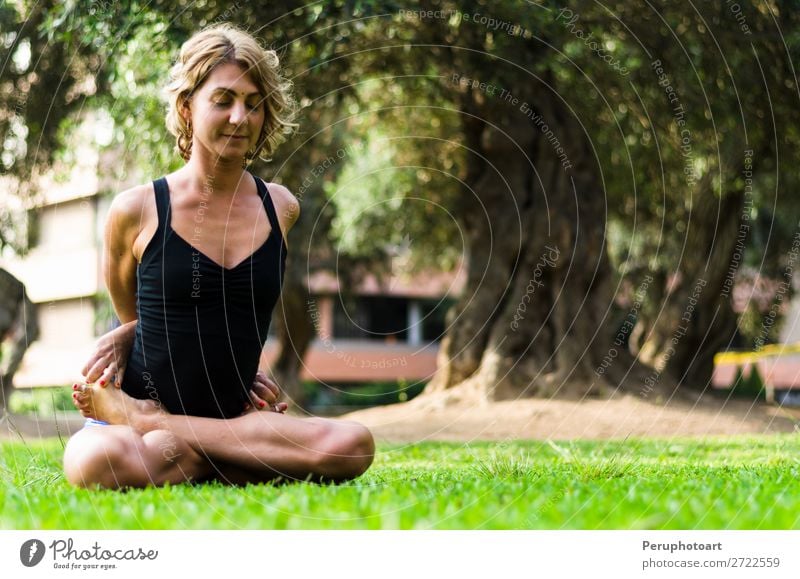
(123, 225)
(286, 206)
(110, 357)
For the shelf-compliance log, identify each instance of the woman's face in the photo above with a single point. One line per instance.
(227, 113)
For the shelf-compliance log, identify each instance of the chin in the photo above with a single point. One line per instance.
(229, 157)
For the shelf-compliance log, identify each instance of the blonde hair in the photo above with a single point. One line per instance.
(221, 44)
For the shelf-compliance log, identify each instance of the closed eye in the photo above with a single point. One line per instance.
(223, 104)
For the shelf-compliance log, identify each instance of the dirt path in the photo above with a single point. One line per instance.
(23, 427)
(616, 418)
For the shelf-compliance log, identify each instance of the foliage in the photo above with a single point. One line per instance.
(42, 401)
(363, 395)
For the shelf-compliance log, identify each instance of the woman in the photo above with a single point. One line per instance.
(194, 263)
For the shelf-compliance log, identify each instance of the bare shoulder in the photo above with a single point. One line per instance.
(132, 220)
(286, 205)
(132, 205)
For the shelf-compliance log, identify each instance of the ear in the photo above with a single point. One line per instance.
(185, 110)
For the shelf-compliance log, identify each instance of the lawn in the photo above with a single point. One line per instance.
(721, 483)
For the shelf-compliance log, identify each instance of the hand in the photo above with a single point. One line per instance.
(264, 395)
(110, 357)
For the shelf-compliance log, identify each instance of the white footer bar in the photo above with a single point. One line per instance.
(401, 554)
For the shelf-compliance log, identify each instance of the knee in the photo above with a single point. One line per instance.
(347, 450)
(97, 460)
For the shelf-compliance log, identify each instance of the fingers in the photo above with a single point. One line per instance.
(86, 367)
(261, 378)
(264, 393)
(257, 401)
(260, 404)
(105, 374)
(266, 388)
(273, 387)
(108, 376)
(98, 369)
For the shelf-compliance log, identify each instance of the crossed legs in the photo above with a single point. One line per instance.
(145, 446)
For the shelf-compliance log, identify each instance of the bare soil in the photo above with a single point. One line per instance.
(437, 417)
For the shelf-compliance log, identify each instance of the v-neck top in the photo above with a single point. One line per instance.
(201, 326)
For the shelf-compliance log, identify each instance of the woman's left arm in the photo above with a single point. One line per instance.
(286, 206)
(265, 393)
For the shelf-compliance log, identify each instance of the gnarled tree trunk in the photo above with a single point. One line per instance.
(533, 318)
(696, 319)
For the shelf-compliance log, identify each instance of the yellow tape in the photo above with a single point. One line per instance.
(765, 352)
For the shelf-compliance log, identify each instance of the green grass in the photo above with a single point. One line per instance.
(730, 483)
(43, 401)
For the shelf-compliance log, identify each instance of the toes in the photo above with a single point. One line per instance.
(81, 388)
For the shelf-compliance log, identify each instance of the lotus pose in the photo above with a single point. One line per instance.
(194, 263)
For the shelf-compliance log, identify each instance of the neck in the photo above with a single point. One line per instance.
(221, 177)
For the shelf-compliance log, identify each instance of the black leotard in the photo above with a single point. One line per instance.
(201, 326)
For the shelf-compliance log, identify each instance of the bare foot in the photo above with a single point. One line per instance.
(112, 405)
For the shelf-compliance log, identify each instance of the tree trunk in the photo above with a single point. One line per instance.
(19, 324)
(533, 317)
(697, 319)
(295, 333)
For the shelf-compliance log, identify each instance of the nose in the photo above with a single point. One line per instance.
(238, 113)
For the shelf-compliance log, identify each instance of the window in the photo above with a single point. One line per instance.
(433, 318)
(371, 318)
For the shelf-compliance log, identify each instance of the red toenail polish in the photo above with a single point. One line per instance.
(74, 386)
(102, 382)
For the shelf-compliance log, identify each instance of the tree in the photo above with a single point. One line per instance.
(574, 120)
(18, 326)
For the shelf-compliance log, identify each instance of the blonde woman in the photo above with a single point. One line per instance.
(194, 263)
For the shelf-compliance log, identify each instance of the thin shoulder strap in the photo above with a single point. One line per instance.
(162, 201)
(263, 191)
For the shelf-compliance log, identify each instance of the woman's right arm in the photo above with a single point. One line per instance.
(119, 262)
(119, 271)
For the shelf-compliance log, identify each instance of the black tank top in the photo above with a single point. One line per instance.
(201, 326)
